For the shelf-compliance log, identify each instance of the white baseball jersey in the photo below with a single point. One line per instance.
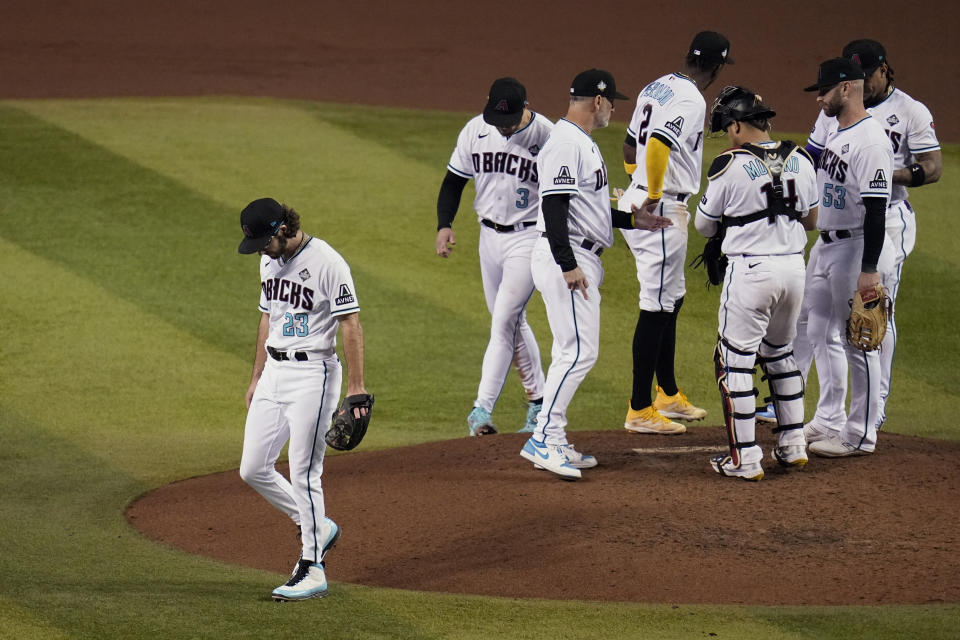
(856, 162)
(672, 107)
(743, 186)
(571, 163)
(906, 122)
(304, 296)
(504, 170)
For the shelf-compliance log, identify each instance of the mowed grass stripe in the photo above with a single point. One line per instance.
(68, 473)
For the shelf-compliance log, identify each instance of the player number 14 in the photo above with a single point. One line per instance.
(295, 325)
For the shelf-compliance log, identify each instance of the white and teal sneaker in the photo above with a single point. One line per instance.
(478, 421)
(533, 410)
(308, 581)
(552, 457)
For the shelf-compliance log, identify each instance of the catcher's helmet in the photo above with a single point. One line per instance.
(737, 104)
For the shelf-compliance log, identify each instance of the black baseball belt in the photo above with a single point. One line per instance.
(830, 236)
(506, 228)
(589, 245)
(276, 354)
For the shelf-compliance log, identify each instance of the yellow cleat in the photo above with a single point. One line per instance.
(677, 406)
(649, 420)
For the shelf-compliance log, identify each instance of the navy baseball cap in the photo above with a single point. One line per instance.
(711, 46)
(259, 220)
(596, 82)
(834, 71)
(505, 103)
(869, 54)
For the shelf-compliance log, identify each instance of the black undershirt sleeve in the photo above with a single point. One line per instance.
(449, 199)
(556, 208)
(630, 141)
(873, 232)
(621, 219)
(662, 138)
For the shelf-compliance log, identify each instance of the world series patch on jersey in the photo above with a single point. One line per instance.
(304, 296)
(504, 170)
(673, 108)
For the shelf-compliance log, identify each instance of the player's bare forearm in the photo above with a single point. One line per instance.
(445, 242)
(259, 356)
(352, 333)
(809, 221)
(932, 163)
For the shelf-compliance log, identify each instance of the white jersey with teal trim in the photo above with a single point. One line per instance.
(571, 163)
(504, 169)
(856, 162)
(742, 188)
(673, 108)
(304, 296)
(907, 123)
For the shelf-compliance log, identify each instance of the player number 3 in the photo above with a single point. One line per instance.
(295, 325)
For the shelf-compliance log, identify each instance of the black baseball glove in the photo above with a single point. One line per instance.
(350, 423)
(713, 260)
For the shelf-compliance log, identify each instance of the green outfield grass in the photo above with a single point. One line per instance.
(127, 336)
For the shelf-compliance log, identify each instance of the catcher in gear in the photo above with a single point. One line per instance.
(306, 295)
(351, 422)
(869, 313)
(761, 196)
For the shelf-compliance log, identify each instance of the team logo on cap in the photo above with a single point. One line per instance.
(892, 120)
(675, 125)
(602, 86)
(345, 296)
(564, 176)
(856, 58)
(247, 232)
(879, 180)
(502, 106)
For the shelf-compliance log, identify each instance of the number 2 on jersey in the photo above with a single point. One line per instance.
(295, 325)
(642, 130)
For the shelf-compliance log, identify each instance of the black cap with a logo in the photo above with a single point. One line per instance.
(505, 103)
(834, 71)
(711, 47)
(869, 54)
(596, 82)
(260, 221)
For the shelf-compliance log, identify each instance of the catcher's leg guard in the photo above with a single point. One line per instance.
(786, 390)
(734, 370)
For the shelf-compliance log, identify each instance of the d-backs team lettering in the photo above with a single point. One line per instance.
(509, 163)
(288, 291)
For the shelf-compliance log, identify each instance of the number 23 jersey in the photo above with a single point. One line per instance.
(673, 108)
(304, 296)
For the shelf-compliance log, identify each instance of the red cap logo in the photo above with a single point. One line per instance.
(502, 106)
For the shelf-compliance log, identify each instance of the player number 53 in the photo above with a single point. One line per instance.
(834, 195)
(295, 325)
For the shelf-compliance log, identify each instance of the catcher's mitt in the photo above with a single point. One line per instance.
(713, 260)
(347, 429)
(868, 318)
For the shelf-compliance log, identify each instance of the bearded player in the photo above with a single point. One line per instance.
(306, 295)
(917, 161)
(499, 150)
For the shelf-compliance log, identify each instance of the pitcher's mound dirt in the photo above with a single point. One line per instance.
(471, 516)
